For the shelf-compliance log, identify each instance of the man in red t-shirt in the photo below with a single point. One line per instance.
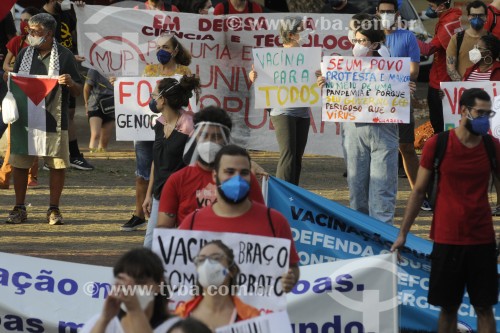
(234, 212)
(447, 26)
(464, 251)
(493, 18)
(237, 7)
(192, 187)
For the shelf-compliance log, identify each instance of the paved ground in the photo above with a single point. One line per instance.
(95, 204)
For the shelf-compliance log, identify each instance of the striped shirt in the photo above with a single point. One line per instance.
(476, 75)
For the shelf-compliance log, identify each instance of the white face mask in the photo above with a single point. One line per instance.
(35, 41)
(143, 299)
(360, 50)
(211, 273)
(388, 20)
(210, 11)
(66, 5)
(207, 151)
(475, 55)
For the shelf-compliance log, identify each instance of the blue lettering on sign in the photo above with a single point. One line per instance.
(330, 327)
(342, 284)
(13, 323)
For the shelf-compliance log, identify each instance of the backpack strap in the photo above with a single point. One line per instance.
(460, 39)
(441, 144)
(270, 221)
(490, 150)
(494, 23)
(192, 220)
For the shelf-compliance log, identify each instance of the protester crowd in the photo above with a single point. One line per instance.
(192, 177)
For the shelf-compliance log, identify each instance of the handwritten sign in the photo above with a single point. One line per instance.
(134, 120)
(262, 262)
(115, 41)
(451, 102)
(366, 90)
(286, 77)
(271, 323)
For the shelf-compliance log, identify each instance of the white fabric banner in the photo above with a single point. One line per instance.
(41, 295)
(347, 294)
(451, 103)
(262, 262)
(366, 89)
(121, 41)
(286, 77)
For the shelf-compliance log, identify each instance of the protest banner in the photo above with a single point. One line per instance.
(269, 323)
(325, 231)
(366, 89)
(262, 262)
(121, 41)
(41, 295)
(286, 77)
(350, 298)
(451, 102)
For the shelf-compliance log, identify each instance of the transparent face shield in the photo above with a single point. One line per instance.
(207, 139)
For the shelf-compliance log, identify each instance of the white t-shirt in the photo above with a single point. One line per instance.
(114, 325)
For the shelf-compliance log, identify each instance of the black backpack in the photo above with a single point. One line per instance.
(226, 7)
(442, 142)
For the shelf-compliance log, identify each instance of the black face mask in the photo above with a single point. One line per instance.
(57, 7)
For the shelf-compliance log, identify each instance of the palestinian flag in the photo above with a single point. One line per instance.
(38, 130)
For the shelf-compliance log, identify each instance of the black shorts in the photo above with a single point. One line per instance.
(456, 267)
(106, 118)
(407, 131)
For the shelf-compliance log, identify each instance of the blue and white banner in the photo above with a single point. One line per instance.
(325, 231)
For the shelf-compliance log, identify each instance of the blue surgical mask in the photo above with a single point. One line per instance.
(477, 23)
(153, 107)
(234, 190)
(478, 126)
(163, 56)
(431, 13)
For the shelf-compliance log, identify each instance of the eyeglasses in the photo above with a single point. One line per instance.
(360, 41)
(154, 96)
(213, 258)
(38, 33)
(387, 12)
(482, 113)
(480, 48)
(477, 16)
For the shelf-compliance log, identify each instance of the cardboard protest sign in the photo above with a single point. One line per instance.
(451, 102)
(134, 120)
(286, 77)
(262, 262)
(366, 89)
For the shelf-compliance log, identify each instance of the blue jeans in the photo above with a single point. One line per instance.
(372, 168)
(143, 158)
(152, 222)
